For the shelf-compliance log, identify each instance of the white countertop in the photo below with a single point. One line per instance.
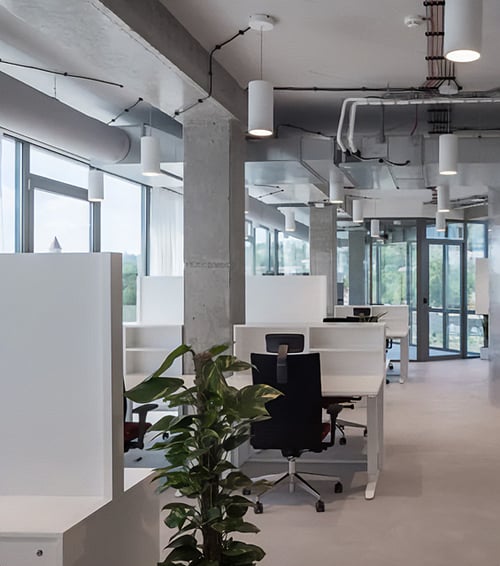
(22, 515)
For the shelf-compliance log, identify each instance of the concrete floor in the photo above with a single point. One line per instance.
(438, 499)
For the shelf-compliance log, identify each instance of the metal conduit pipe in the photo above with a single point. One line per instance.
(392, 102)
(34, 115)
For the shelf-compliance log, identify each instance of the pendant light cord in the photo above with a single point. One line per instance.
(261, 41)
(210, 72)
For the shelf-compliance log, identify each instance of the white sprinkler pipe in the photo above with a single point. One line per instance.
(392, 102)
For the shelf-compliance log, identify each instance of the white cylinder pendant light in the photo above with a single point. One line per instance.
(440, 222)
(375, 228)
(260, 108)
(443, 198)
(336, 186)
(150, 156)
(463, 21)
(448, 154)
(95, 192)
(357, 211)
(289, 220)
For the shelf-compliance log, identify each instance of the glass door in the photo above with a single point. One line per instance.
(445, 303)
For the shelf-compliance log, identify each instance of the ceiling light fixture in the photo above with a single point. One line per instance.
(336, 185)
(357, 211)
(150, 156)
(95, 191)
(463, 21)
(440, 222)
(375, 228)
(448, 154)
(289, 219)
(260, 92)
(443, 198)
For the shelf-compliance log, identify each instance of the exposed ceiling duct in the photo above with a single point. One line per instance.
(34, 115)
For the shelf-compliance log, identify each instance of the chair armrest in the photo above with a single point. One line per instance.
(142, 410)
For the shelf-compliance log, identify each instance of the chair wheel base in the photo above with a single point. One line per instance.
(339, 488)
(258, 508)
(343, 441)
(320, 506)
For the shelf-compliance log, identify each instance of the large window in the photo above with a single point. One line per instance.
(54, 166)
(62, 217)
(9, 192)
(293, 255)
(121, 231)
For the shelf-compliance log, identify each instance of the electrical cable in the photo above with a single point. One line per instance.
(61, 73)
(312, 132)
(210, 72)
(125, 110)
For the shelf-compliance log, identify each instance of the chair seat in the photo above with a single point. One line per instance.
(326, 428)
(131, 430)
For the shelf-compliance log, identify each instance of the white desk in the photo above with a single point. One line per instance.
(348, 386)
(396, 320)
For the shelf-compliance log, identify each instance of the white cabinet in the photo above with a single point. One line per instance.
(145, 348)
(31, 551)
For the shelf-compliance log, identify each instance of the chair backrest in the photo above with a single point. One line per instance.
(284, 344)
(296, 417)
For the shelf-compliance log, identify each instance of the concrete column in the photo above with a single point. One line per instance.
(494, 314)
(214, 222)
(357, 287)
(323, 250)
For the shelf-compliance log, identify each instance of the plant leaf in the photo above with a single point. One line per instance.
(170, 359)
(154, 388)
(218, 349)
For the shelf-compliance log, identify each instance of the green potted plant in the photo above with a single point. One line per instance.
(196, 447)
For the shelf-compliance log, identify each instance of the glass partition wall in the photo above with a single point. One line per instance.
(434, 274)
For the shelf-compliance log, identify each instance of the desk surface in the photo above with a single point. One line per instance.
(53, 515)
(331, 385)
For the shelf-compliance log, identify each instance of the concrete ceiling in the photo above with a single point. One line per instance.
(163, 59)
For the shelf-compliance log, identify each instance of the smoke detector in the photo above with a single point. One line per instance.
(414, 21)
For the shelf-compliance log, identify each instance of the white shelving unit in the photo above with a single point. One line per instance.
(145, 348)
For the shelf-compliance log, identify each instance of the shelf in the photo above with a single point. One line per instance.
(141, 349)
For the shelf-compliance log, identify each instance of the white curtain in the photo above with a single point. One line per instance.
(167, 233)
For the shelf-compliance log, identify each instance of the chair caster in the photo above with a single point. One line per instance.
(339, 488)
(258, 508)
(246, 491)
(343, 441)
(365, 432)
(391, 366)
(320, 506)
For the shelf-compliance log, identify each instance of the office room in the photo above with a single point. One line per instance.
(311, 183)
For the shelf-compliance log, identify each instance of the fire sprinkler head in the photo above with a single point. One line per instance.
(261, 22)
(414, 21)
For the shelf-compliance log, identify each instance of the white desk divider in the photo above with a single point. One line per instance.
(63, 498)
(345, 348)
(288, 299)
(396, 320)
(160, 300)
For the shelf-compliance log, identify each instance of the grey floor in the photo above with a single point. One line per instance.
(438, 499)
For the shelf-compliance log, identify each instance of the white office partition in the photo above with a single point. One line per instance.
(161, 299)
(61, 375)
(290, 299)
(395, 317)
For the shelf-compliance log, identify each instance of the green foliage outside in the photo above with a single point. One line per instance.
(197, 450)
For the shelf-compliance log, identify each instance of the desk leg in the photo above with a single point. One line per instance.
(375, 442)
(404, 357)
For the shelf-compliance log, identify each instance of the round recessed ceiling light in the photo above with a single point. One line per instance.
(261, 22)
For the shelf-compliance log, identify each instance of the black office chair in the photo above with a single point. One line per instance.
(134, 431)
(296, 424)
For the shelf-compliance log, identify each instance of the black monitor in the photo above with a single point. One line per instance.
(361, 311)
